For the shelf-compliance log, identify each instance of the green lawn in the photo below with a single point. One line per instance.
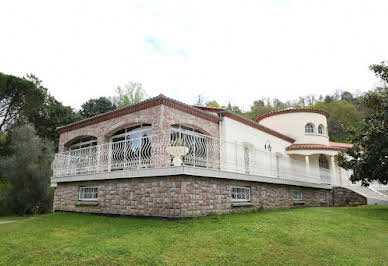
(312, 236)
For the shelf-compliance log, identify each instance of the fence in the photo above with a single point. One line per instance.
(175, 148)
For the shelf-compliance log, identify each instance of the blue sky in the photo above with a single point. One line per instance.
(235, 51)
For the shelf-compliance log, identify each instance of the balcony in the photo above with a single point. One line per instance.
(188, 149)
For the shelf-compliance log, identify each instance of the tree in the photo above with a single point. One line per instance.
(259, 108)
(5, 187)
(347, 96)
(28, 171)
(96, 106)
(234, 108)
(19, 98)
(369, 156)
(342, 116)
(50, 114)
(212, 104)
(131, 94)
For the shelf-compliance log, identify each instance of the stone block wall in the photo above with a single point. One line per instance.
(181, 196)
(345, 197)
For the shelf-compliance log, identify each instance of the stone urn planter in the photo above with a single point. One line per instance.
(177, 148)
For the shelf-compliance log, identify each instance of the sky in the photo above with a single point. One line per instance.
(229, 51)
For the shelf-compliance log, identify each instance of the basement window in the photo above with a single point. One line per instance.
(240, 194)
(88, 193)
(297, 195)
(322, 197)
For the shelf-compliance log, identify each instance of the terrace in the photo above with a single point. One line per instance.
(191, 150)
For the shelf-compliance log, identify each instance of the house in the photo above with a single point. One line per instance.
(162, 157)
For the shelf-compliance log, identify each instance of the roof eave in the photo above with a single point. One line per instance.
(158, 100)
(256, 125)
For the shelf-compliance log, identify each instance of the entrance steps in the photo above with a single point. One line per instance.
(373, 197)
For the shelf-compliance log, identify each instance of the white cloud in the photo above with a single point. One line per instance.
(234, 51)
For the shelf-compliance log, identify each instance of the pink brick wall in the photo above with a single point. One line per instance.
(161, 117)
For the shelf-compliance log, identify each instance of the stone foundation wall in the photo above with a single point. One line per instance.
(345, 197)
(181, 196)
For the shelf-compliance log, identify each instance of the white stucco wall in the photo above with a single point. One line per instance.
(236, 136)
(293, 125)
(234, 131)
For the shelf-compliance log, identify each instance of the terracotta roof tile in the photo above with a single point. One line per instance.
(295, 147)
(161, 99)
(340, 145)
(293, 110)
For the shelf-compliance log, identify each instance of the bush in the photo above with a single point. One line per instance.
(28, 171)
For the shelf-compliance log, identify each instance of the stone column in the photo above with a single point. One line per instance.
(307, 159)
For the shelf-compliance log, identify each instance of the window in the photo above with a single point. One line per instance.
(132, 147)
(297, 195)
(241, 194)
(82, 154)
(88, 193)
(309, 128)
(83, 143)
(322, 196)
(133, 132)
(321, 129)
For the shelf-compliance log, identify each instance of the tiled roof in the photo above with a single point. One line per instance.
(161, 99)
(340, 145)
(293, 110)
(333, 146)
(254, 124)
(244, 120)
(208, 108)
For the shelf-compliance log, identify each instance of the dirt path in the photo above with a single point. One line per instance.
(6, 222)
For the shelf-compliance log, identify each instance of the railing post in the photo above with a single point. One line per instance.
(110, 157)
(194, 147)
(140, 149)
(68, 164)
(207, 140)
(98, 167)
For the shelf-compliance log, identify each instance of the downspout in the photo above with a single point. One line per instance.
(220, 137)
(220, 125)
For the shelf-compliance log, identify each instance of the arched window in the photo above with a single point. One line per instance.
(131, 147)
(321, 129)
(83, 143)
(309, 128)
(82, 155)
(196, 141)
(132, 132)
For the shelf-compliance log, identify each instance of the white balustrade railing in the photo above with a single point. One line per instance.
(196, 150)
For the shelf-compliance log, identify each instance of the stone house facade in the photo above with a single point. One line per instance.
(165, 158)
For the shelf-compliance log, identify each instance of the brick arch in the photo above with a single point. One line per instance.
(123, 124)
(67, 137)
(70, 141)
(203, 131)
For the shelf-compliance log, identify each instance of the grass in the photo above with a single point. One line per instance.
(312, 236)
